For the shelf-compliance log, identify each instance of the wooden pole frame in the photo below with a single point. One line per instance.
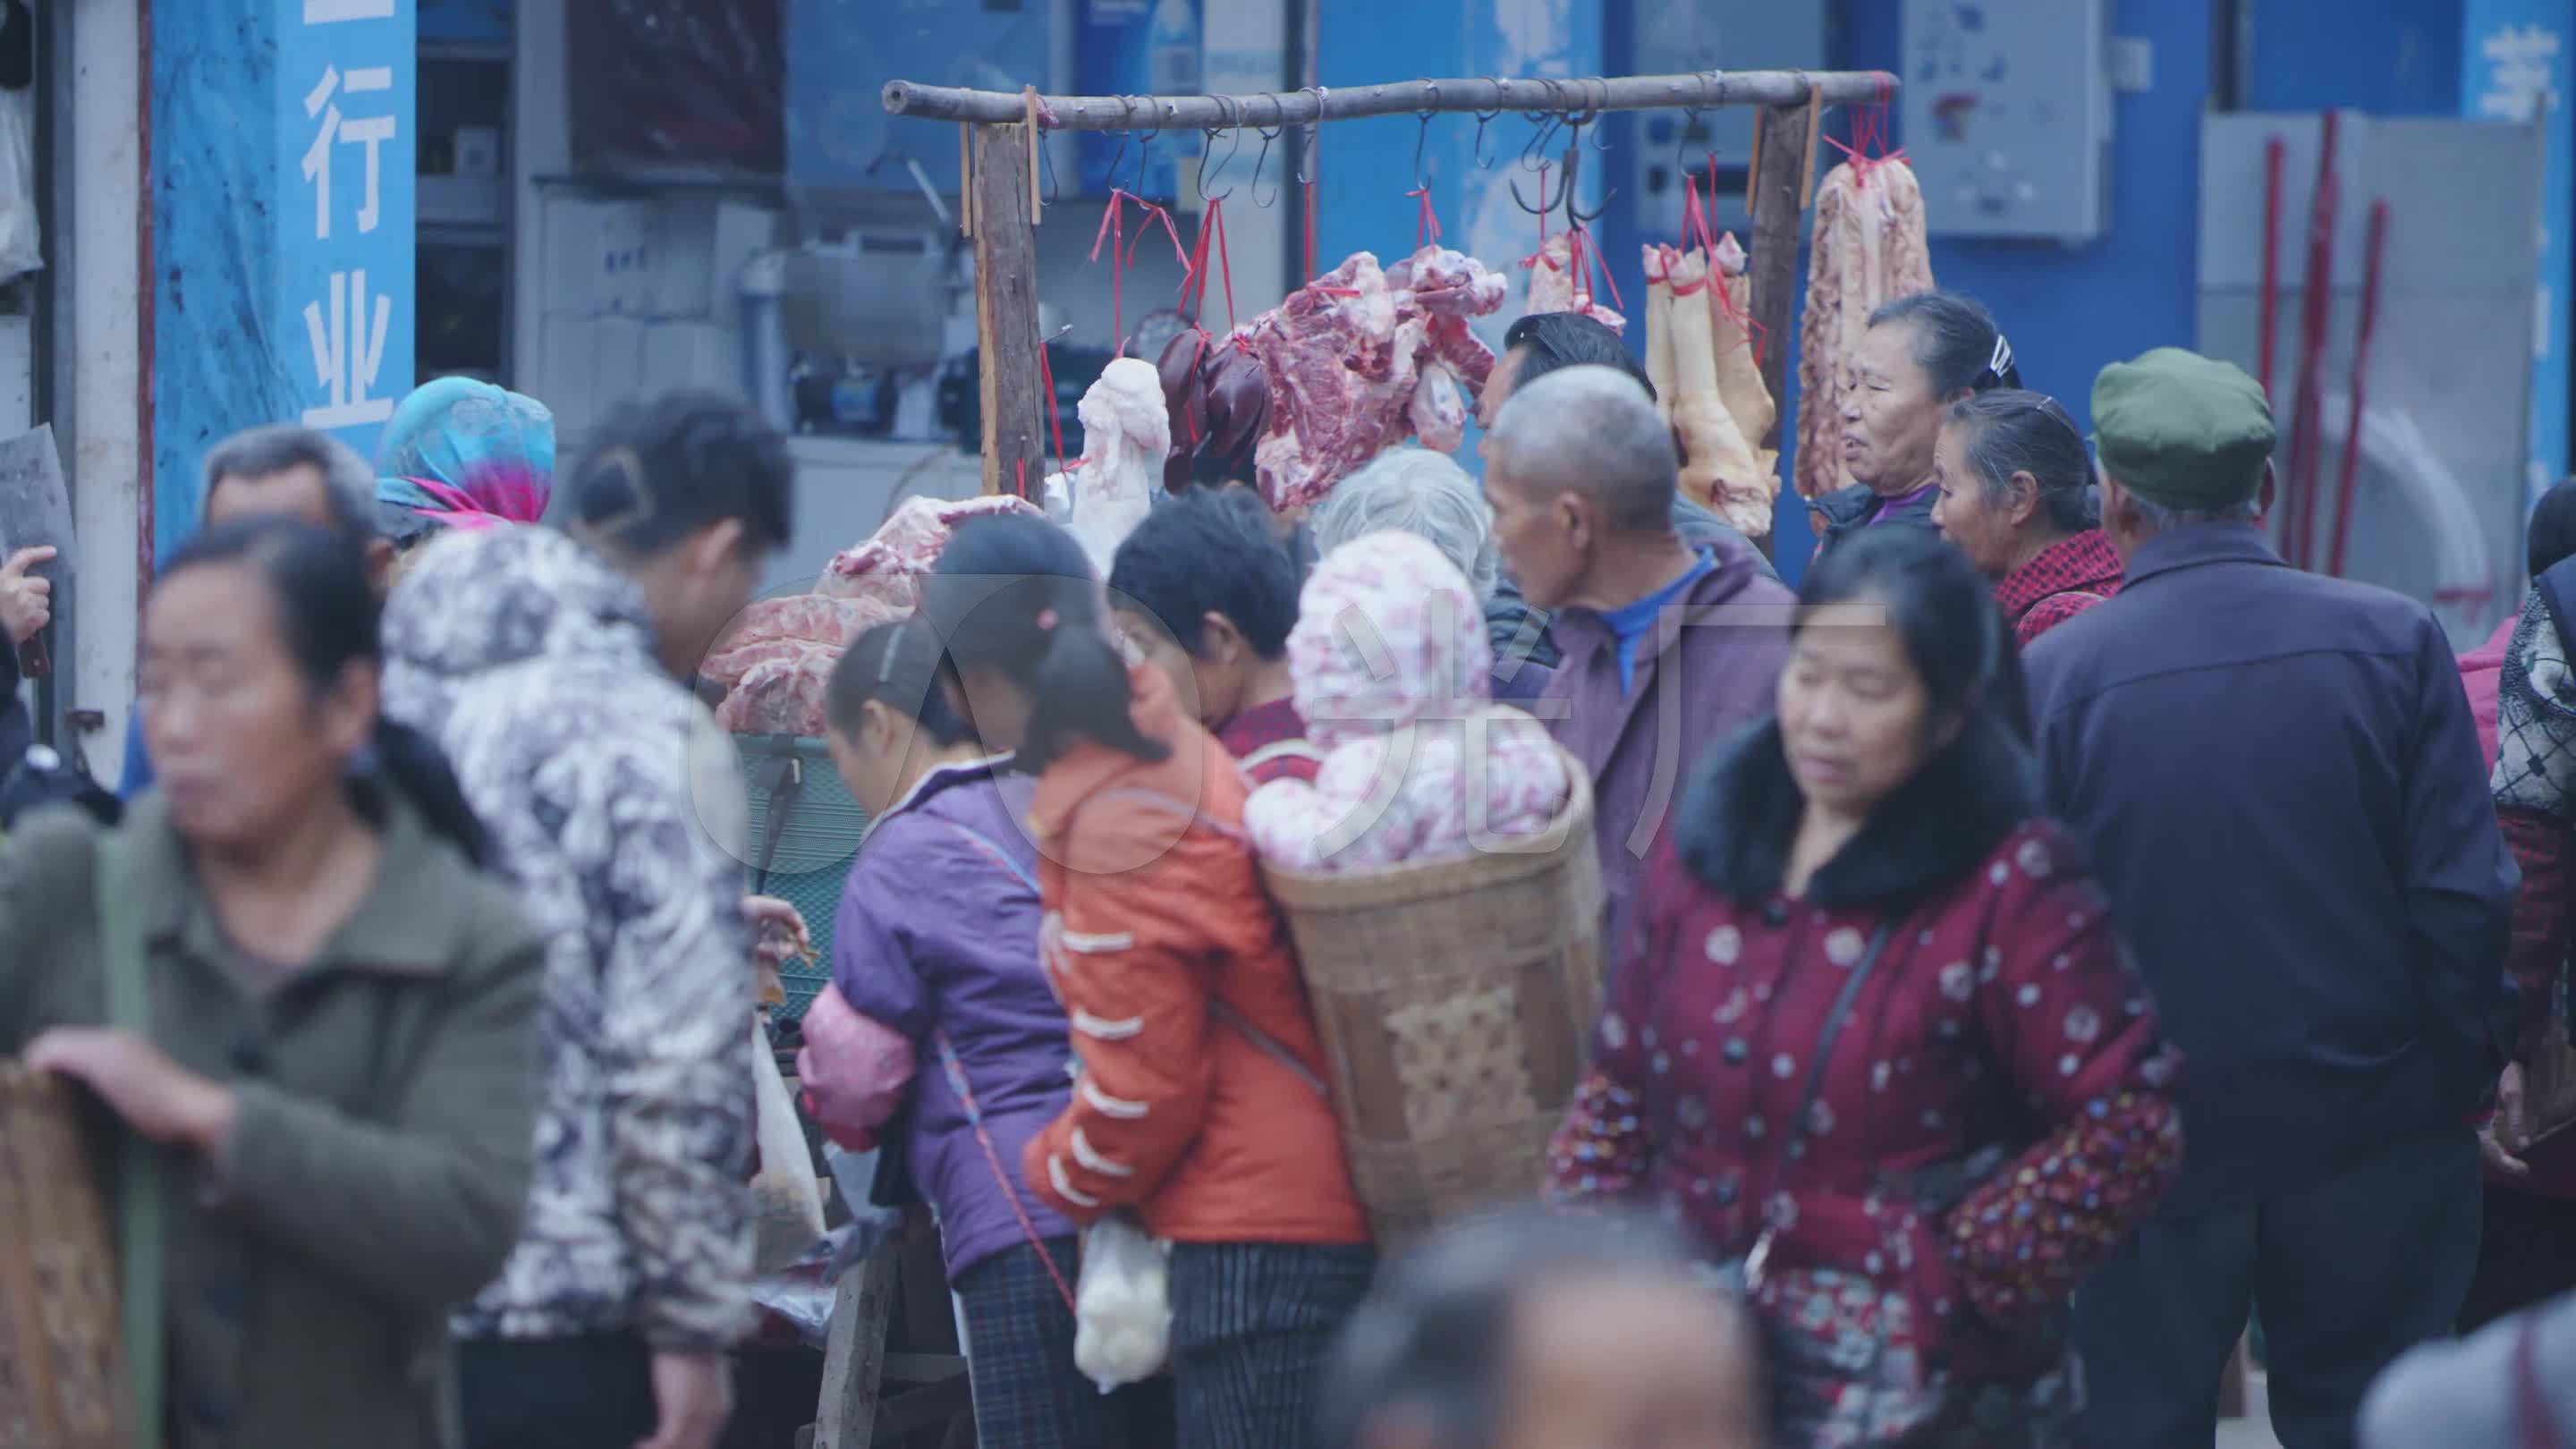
(1000, 192)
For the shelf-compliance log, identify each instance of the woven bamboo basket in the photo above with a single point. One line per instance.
(1455, 999)
(61, 1365)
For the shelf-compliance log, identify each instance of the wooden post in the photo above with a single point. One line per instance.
(854, 1351)
(1774, 270)
(1006, 312)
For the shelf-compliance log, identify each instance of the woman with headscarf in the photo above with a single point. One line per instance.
(463, 454)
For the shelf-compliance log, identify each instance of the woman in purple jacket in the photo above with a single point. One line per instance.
(937, 939)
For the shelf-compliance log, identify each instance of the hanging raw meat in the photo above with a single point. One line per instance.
(1555, 287)
(1126, 435)
(1869, 250)
(889, 565)
(1719, 469)
(1739, 371)
(1659, 326)
(774, 661)
(1349, 356)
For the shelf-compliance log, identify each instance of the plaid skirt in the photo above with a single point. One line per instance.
(1019, 1347)
(1251, 1324)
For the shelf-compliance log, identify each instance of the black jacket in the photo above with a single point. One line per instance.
(1846, 511)
(2283, 792)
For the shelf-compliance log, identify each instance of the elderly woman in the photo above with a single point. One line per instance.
(1417, 491)
(1921, 354)
(2016, 496)
(1872, 1038)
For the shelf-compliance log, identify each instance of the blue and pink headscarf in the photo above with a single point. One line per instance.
(464, 454)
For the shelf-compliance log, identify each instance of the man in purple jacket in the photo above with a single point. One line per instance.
(1667, 649)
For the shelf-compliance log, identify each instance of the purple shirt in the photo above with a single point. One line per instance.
(938, 933)
(1902, 500)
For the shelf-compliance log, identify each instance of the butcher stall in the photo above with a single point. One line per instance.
(1407, 320)
(1366, 355)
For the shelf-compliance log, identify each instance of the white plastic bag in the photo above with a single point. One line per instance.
(1122, 1306)
(786, 1200)
(19, 252)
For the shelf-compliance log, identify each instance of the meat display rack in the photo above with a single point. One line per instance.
(998, 138)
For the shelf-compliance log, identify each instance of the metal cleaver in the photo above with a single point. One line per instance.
(36, 511)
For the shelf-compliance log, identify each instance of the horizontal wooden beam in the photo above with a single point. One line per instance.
(1475, 95)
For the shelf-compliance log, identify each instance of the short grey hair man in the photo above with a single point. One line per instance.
(1591, 430)
(1416, 491)
(293, 470)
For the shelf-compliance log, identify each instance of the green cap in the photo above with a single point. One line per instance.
(2182, 431)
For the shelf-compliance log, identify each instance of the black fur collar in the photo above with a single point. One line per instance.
(1741, 813)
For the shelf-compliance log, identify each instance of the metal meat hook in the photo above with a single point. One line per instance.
(1575, 215)
(1277, 129)
(1534, 156)
(1422, 136)
(1546, 202)
(1484, 119)
(1232, 128)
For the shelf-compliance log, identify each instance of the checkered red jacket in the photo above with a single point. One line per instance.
(2063, 580)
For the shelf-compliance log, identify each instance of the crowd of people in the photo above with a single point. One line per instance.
(2053, 935)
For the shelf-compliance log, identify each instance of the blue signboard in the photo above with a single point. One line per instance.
(2518, 66)
(343, 316)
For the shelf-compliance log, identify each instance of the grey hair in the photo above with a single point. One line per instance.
(1592, 430)
(1430, 1347)
(348, 483)
(2157, 518)
(1957, 342)
(1416, 491)
(2010, 432)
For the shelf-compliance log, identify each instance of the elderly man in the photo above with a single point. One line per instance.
(1536, 1332)
(287, 470)
(2280, 781)
(1667, 646)
(1537, 345)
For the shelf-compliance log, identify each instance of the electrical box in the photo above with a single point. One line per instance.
(1676, 37)
(2007, 115)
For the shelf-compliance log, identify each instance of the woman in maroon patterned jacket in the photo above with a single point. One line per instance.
(1872, 1037)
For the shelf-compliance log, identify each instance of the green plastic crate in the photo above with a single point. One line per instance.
(812, 862)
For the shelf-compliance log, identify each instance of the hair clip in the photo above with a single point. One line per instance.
(885, 662)
(2002, 361)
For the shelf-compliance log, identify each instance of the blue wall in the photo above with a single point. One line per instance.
(1368, 165)
(2387, 57)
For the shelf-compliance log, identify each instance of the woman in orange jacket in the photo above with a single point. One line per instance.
(1201, 1104)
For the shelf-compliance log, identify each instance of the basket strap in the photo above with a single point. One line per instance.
(141, 1229)
(1223, 1014)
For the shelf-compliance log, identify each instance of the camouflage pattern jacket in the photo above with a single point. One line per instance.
(611, 797)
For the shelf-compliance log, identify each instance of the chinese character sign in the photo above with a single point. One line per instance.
(2520, 63)
(345, 104)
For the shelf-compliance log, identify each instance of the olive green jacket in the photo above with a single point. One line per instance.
(377, 1171)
